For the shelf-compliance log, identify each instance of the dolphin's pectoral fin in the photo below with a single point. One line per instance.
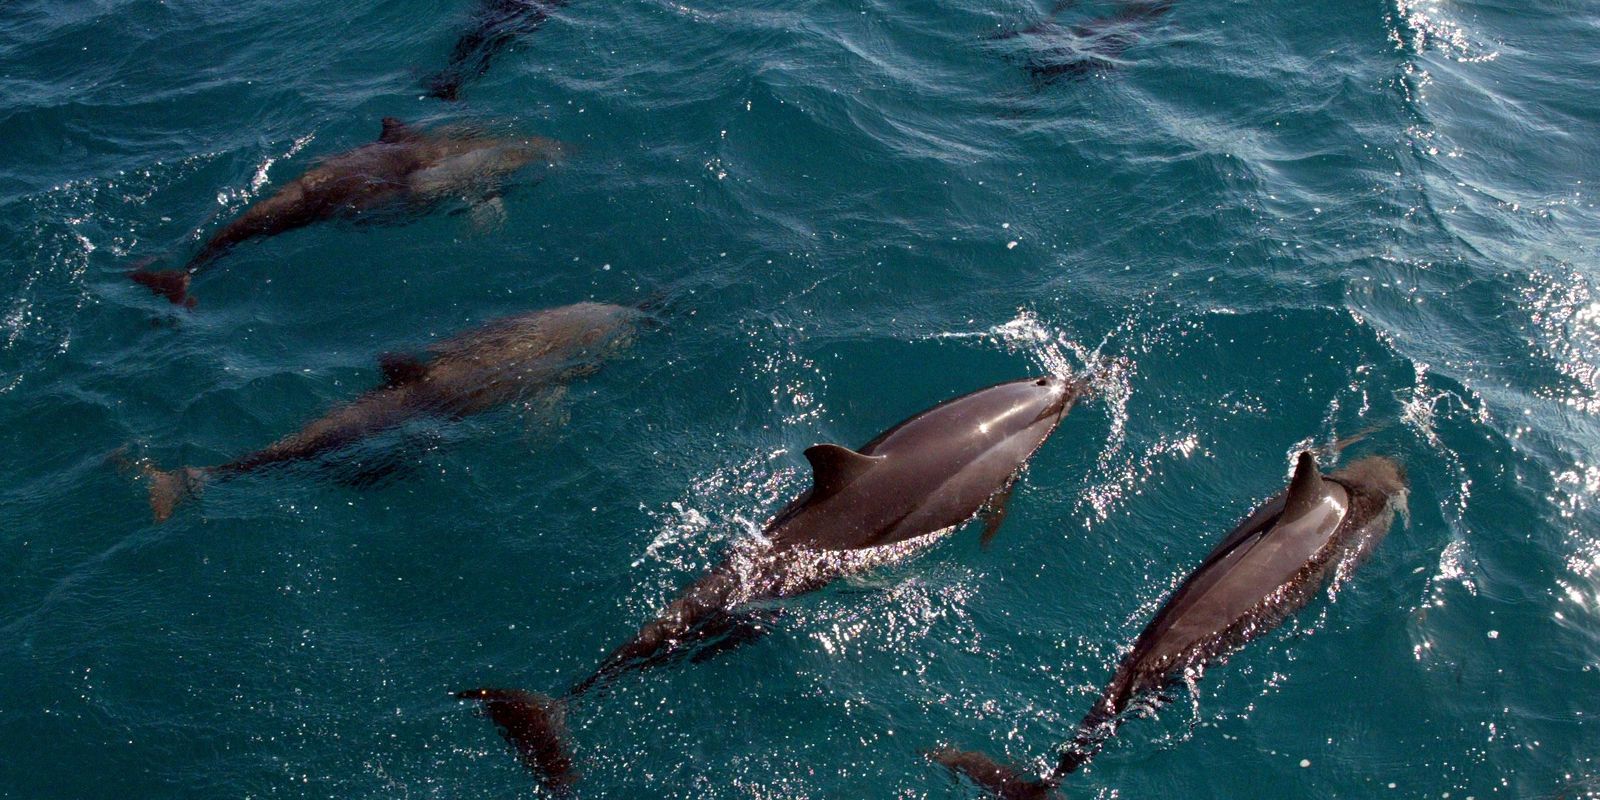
(395, 130)
(377, 463)
(487, 213)
(400, 369)
(994, 513)
(371, 471)
(833, 467)
(544, 411)
(734, 630)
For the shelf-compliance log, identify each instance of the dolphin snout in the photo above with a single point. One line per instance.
(1061, 392)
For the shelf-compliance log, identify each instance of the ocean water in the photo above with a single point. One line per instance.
(1268, 225)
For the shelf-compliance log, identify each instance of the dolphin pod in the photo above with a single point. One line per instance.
(875, 505)
(496, 25)
(1271, 565)
(406, 169)
(498, 363)
(865, 507)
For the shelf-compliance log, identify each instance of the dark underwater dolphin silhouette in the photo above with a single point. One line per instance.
(1271, 565)
(497, 363)
(496, 25)
(406, 169)
(865, 507)
(1078, 51)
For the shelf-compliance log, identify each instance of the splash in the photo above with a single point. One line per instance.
(709, 514)
(1110, 377)
(793, 381)
(1049, 349)
(1578, 590)
(1127, 479)
(72, 223)
(1428, 25)
(894, 618)
(259, 179)
(1581, 586)
(1420, 405)
(1423, 406)
(1121, 474)
(78, 219)
(233, 200)
(765, 572)
(1565, 314)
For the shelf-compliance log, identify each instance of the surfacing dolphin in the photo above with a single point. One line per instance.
(406, 169)
(865, 507)
(502, 362)
(1270, 566)
(496, 25)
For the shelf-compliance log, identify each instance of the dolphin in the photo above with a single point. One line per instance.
(1079, 51)
(1314, 532)
(405, 169)
(865, 507)
(496, 25)
(501, 362)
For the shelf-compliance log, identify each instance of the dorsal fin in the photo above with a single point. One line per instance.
(833, 467)
(1306, 490)
(400, 369)
(394, 130)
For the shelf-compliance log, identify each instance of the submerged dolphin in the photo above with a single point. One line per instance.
(928, 474)
(1267, 568)
(1078, 51)
(496, 25)
(501, 362)
(405, 169)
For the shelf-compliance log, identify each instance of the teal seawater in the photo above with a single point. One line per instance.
(1274, 225)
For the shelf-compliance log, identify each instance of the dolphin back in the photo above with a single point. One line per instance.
(930, 472)
(498, 23)
(1266, 568)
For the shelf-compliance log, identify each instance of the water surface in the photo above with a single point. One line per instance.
(1273, 225)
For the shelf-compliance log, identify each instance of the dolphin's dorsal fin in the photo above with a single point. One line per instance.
(833, 467)
(394, 130)
(400, 369)
(1306, 490)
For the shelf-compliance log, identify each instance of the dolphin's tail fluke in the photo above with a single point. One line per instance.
(172, 284)
(168, 488)
(534, 726)
(993, 777)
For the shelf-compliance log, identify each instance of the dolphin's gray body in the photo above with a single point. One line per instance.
(928, 474)
(498, 363)
(1267, 568)
(405, 169)
(496, 25)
